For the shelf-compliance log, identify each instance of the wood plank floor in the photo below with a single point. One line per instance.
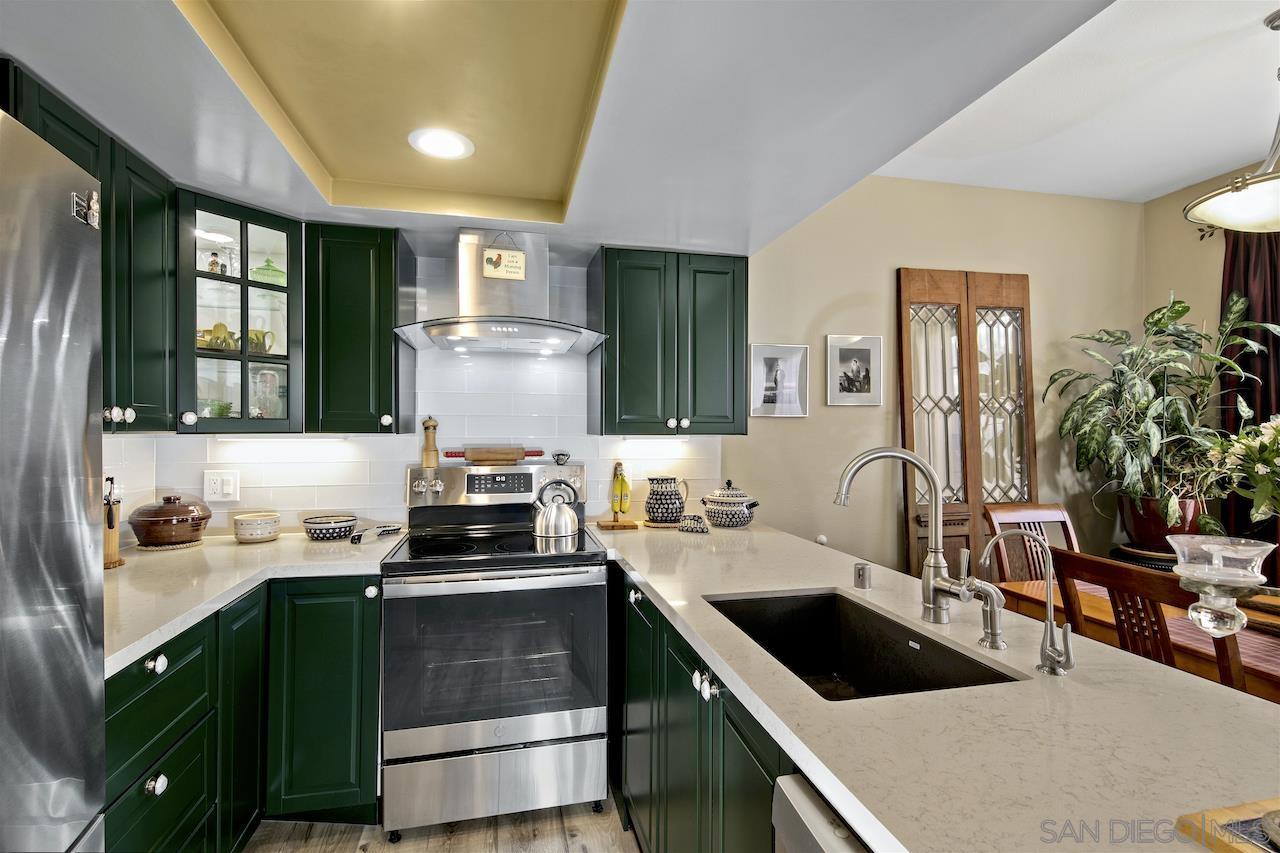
(572, 829)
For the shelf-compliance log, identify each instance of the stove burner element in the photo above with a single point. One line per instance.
(422, 547)
(515, 543)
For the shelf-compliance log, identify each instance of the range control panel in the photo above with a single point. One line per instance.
(500, 484)
(479, 485)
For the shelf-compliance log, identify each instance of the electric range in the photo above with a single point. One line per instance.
(494, 673)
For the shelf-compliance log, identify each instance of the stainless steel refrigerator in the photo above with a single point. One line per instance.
(52, 725)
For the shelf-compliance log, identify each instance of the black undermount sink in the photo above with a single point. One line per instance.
(846, 651)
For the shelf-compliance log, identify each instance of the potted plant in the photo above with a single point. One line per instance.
(1147, 418)
(1250, 466)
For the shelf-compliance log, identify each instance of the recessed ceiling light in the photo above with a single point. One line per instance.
(445, 144)
(454, 338)
(214, 236)
(553, 340)
(459, 349)
(544, 352)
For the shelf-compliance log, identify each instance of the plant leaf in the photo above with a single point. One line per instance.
(1232, 313)
(1209, 526)
(1242, 407)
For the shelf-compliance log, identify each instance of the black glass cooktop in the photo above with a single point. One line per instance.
(450, 548)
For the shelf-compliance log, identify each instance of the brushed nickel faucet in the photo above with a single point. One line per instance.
(937, 587)
(1054, 659)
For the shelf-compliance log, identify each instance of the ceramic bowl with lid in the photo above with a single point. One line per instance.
(730, 506)
(172, 520)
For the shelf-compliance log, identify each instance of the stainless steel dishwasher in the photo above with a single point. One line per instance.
(804, 823)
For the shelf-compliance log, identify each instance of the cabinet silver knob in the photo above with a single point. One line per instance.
(635, 595)
(189, 418)
(157, 785)
(115, 414)
(156, 665)
(370, 591)
(709, 690)
(684, 423)
(697, 680)
(130, 415)
(671, 423)
(386, 420)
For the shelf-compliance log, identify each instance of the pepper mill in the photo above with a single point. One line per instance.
(111, 526)
(430, 453)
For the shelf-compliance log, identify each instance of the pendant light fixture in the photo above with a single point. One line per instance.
(1249, 202)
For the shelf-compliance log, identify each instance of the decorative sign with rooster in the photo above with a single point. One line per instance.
(504, 263)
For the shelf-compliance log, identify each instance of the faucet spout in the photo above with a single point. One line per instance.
(936, 585)
(1054, 659)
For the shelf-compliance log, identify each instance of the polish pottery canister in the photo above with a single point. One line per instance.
(665, 503)
(730, 506)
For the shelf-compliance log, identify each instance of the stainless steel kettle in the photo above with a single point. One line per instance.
(558, 518)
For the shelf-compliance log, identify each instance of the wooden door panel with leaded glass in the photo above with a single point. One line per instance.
(965, 372)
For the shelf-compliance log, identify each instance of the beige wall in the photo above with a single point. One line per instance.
(834, 273)
(1177, 260)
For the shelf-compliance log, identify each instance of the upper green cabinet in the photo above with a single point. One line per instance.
(675, 361)
(138, 256)
(141, 363)
(322, 718)
(239, 318)
(355, 362)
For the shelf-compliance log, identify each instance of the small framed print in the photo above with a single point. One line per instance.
(855, 370)
(779, 381)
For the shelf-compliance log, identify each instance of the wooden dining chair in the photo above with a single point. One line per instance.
(1136, 595)
(1033, 518)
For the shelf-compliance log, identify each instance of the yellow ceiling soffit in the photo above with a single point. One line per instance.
(354, 193)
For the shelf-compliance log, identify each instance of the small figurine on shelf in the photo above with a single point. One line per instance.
(222, 268)
(213, 262)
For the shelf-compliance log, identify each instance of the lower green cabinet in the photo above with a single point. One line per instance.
(697, 771)
(167, 806)
(684, 754)
(242, 678)
(639, 719)
(322, 718)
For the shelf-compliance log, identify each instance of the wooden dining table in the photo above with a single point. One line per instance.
(1192, 648)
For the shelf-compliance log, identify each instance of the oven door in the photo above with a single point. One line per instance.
(476, 660)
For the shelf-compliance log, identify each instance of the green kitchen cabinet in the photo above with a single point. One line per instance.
(242, 681)
(355, 362)
(239, 327)
(675, 360)
(698, 770)
(684, 765)
(639, 723)
(137, 220)
(322, 698)
(140, 361)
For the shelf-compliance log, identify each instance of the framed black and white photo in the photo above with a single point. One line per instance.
(779, 380)
(855, 370)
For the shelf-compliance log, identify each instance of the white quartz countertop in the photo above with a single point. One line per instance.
(156, 595)
(1121, 746)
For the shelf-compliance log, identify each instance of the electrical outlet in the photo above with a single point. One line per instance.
(222, 485)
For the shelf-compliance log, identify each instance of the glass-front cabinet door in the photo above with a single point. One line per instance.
(239, 318)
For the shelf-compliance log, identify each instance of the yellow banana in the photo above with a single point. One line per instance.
(624, 486)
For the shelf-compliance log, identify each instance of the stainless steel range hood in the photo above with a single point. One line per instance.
(466, 311)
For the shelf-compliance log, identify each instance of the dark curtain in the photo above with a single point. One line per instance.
(1251, 266)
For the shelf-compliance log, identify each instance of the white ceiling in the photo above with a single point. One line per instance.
(1144, 99)
(720, 126)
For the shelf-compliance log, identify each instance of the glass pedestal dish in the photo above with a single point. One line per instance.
(1222, 570)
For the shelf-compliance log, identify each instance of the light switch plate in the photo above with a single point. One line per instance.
(222, 485)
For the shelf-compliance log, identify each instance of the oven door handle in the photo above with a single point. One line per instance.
(425, 586)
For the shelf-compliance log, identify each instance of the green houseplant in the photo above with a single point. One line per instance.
(1146, 419)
